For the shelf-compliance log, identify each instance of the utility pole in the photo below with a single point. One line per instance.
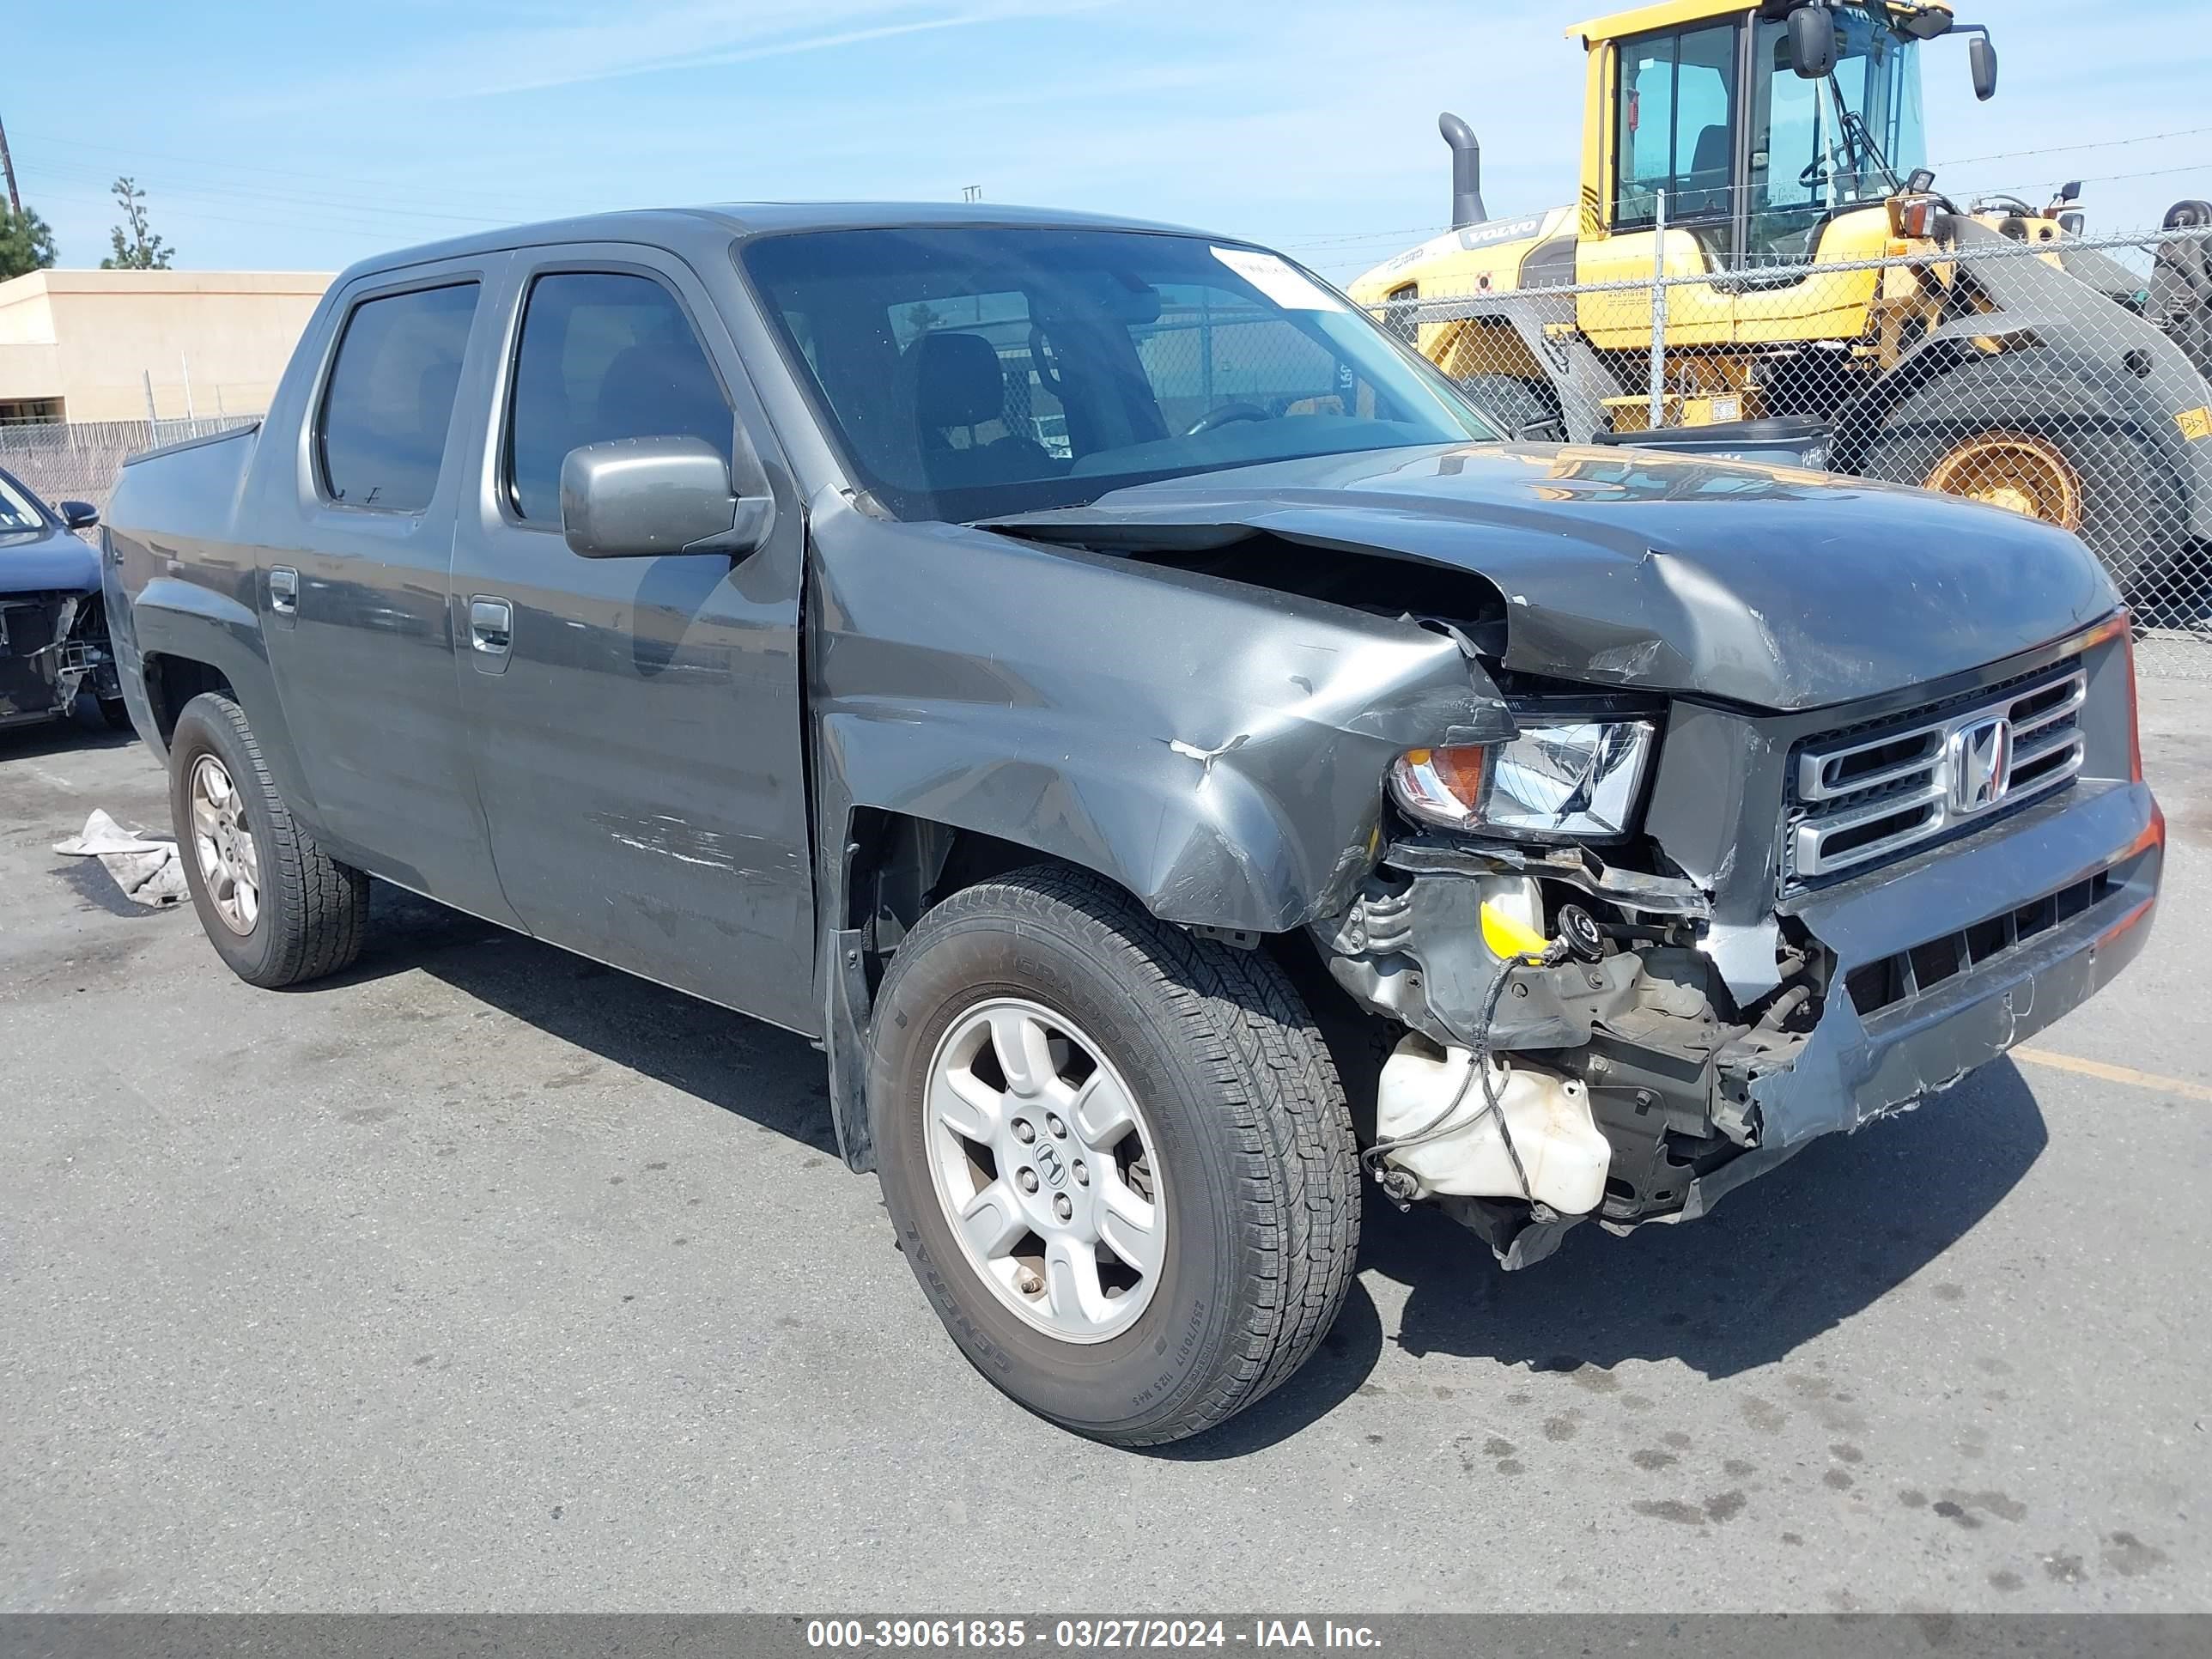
(8, 166)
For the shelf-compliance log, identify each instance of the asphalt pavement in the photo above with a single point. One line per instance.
(486, 1279)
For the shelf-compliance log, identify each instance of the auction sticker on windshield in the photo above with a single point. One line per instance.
(1277, 279)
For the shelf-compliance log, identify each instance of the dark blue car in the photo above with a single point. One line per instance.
(53, 624)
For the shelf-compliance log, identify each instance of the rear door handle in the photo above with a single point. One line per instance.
(491, 633)
(283, 594)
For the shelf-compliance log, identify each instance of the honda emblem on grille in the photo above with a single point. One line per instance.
(1981, 765)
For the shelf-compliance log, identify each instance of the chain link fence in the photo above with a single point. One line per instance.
(78, 460)
(2067, 379)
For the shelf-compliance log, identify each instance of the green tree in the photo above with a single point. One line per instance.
(26, 243)
(137, 248)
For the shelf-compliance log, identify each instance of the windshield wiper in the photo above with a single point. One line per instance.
(1861, 154)
(1853, 121)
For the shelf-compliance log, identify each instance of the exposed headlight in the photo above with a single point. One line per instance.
(1573, 779)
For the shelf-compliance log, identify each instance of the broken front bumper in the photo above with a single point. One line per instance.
(1702, 1070)
(1951, 983)
(1950, 961)
(52, 647)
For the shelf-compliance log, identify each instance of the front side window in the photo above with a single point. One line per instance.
(382, 431)
(603, 355)
(972, 372)
(1676, 125)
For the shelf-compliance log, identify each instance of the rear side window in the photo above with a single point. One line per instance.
(603, 355)
(391, 398)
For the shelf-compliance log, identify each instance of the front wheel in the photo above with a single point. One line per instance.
(1117, 1157)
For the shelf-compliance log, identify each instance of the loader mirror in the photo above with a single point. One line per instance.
(1981, 60)
(1812, 43)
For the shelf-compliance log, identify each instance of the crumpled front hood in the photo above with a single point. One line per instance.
(47, 562)
(1771, 586)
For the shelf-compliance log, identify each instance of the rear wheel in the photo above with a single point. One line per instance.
(1117, 1157)
(276, 908)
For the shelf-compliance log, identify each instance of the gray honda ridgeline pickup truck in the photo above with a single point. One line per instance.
(1146, 727)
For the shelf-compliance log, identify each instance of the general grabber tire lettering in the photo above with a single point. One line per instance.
(302, 913)
(1227, 1213)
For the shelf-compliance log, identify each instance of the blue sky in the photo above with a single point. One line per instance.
(302, 136)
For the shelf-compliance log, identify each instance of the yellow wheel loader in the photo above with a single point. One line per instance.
(1770, 156)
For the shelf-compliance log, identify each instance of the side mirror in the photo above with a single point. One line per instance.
(1812, 43)
(79, 515)
(1982, 60)
(639, 498)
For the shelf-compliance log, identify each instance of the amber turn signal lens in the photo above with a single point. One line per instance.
(1459, 771)
(1912, 215)
(1443, 786)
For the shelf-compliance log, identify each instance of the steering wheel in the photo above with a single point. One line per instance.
(1223, 414)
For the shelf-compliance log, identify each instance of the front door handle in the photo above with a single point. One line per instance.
(491, 633)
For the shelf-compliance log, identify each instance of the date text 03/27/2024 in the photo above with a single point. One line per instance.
(1085, 1634)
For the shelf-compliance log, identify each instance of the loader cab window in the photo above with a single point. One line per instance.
(1820, 148)
(1675, 123)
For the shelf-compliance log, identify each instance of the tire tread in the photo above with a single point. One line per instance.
(320, 907)
(1248, 1030)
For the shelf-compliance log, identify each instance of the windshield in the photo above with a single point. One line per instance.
(968, 374)
(1819, 147)
(18, 510)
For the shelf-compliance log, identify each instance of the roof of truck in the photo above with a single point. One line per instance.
(680, 228)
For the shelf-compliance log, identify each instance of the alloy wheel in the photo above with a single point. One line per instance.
(222, 842)
(1044, 1164)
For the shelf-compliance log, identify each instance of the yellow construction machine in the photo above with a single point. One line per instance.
(1768, 156)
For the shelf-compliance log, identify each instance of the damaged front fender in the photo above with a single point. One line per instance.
(1216, 749)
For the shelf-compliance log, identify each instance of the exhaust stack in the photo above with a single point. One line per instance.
(1467, 207)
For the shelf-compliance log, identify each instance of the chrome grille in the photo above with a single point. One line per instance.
(1861, 798)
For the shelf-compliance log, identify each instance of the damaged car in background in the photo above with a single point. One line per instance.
(53, 629)
(1144, 725)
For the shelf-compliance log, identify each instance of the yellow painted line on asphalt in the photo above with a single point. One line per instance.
(2110, 1073)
